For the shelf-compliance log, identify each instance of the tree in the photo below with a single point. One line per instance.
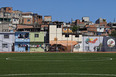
(75, 28)
(113, 34)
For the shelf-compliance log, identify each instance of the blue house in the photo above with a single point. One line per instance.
(22, 42)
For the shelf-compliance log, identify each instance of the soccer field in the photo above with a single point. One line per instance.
(57, 64)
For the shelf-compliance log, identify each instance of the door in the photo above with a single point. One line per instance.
(26, 48)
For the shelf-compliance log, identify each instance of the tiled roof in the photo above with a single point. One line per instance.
(23, 26)
(64, 43)
(44, 26)
(90, 25)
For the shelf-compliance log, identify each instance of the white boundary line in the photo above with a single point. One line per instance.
(59, 74)
(58, 60)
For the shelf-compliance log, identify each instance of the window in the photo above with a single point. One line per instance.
(13, 14)
(28, 20)
(36, 35)
(4, 8)
(14, 19)
(4, 45)
(26, 35)
(77, 35)
(70, 28)
(66, 35)
(58, 26)
(19, 14)
(65, 28)
(20, 36)
(19, 45)
(6, 36)
(9, 9)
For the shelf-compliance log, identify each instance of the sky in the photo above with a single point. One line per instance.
(65, 10)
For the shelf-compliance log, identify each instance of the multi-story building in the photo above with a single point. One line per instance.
(66, 41)
(16, 17)
(37, 41)
(6, 9)
(7, 40)
(5, 17)
(27, 18)
(4, 27)
(85, 19)
(37, 19)
(47, 18)
(96, 29)
(30, 18)
(22, 42)
(101, 22)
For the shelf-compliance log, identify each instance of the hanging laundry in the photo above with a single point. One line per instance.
(38, 46)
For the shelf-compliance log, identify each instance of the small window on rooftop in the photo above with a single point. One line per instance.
(77, 35)
(58, 26)
(66, 35)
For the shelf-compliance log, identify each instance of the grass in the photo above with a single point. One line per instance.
(57, 64)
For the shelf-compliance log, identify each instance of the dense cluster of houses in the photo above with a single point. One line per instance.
(29, 32)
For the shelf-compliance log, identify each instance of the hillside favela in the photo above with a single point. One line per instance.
(31, 32)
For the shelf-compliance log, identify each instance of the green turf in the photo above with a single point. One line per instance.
(58, 64)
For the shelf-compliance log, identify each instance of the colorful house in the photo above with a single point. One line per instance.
(37, 41)
(22, 42)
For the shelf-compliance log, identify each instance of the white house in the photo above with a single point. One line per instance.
(7, 41)
(57, 36)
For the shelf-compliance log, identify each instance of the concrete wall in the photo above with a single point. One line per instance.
(92, 43)
(36, 49)
(55, 32)
(4, 27)
(36, 39)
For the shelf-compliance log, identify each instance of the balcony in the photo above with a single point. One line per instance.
(22, 37)
(22, 40)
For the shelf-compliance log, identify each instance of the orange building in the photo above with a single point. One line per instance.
(6, 9)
